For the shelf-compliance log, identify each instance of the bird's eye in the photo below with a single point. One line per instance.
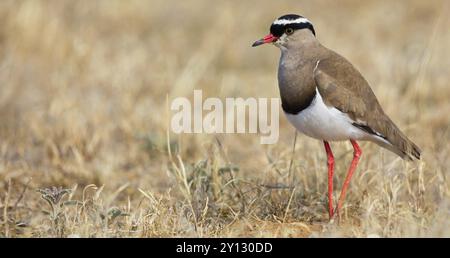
(289, 31)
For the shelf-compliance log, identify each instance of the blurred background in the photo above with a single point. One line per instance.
(84, 92)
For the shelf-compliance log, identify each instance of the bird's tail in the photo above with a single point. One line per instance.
(398, 142)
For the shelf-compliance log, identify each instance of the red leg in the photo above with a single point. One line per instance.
(356, 154)
(330, 177)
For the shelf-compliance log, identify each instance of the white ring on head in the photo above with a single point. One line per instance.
(285, 21)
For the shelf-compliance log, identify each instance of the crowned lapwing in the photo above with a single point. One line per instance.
(325, 97)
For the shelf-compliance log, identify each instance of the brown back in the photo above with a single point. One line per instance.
(343, 87)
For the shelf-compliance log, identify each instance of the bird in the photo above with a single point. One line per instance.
(325, 97)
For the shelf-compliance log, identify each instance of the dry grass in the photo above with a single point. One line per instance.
(83, 88)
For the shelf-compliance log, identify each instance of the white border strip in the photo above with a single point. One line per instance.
(284, 21)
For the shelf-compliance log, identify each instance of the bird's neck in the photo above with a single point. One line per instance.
(295, 74)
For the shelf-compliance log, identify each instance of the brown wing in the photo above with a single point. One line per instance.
(343, 87)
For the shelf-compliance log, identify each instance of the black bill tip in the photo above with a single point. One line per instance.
(258, 43)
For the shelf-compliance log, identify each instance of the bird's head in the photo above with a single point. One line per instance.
(285, 28)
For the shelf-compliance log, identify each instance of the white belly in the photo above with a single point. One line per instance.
(325, 123)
